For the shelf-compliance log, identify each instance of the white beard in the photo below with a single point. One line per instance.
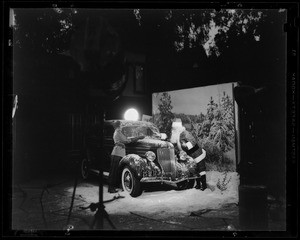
(175, 134)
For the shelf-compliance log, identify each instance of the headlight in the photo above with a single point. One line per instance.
(163, 136)
(150, 156)
(182, 155)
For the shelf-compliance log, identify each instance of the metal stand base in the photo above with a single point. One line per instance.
(100, 215)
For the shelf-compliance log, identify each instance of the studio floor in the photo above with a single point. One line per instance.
(44, 206)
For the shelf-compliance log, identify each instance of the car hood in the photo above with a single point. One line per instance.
(150, 142)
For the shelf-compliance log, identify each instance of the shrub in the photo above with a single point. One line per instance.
(215, 159)
(213, 153)
(220, 167)
(222, 184)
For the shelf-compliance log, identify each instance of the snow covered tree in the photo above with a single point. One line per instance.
(164, 121)
(211, 108)
(222, 125)
(201, 118)
(228, 114)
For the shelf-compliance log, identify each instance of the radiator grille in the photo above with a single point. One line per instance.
(166, 159)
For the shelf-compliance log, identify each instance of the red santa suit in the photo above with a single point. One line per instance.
(190, 145)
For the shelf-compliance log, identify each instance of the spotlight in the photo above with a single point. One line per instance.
(131, 114)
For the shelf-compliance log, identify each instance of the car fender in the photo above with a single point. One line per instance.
(135, 162)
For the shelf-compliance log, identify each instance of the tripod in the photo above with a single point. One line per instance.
(101, 213)
(74, 190)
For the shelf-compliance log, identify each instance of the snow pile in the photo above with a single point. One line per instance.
(164, 203)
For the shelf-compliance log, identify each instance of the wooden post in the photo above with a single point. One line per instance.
(253, 208)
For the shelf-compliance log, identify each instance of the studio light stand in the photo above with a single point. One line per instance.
(74, 190)
(99, 207)
(101, 213)
(77, 167)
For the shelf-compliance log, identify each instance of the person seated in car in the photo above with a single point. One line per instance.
(189, 144)
(117, 154)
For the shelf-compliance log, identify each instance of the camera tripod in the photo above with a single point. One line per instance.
(99, 207)
(101, 213)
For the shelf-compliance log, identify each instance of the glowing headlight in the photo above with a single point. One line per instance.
(150, 156)
(163, 136)
(183, 155)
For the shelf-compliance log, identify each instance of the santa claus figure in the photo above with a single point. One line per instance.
(189, 144)
(185, 143)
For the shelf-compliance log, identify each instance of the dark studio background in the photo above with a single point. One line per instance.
(56, 100)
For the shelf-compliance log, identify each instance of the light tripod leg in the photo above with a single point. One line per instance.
(73, 195)
(101, 213)
(108, 219)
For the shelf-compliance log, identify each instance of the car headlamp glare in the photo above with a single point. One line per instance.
(183, 156)
(150, 156)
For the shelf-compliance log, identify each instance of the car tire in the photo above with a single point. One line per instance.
(191, 183)
(186, 184)
(130, 183)
(182, 185)
(84, 168)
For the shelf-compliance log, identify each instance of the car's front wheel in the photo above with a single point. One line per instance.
(186, 184)
(130, 183)
(84, 169)
(191, 183)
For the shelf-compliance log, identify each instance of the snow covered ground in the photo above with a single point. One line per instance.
(165, 203)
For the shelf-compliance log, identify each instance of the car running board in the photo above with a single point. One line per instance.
(105, 174)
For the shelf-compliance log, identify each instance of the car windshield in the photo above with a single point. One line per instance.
(135, 130)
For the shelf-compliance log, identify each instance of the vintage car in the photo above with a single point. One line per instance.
(149, 160)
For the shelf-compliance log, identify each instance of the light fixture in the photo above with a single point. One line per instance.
(131, 114)
(150, 156)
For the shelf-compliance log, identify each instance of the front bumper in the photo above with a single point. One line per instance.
(165, 180)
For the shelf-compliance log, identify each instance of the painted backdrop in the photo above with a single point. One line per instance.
(209, 113)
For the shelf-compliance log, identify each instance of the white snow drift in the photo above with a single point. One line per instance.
(223, 189)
